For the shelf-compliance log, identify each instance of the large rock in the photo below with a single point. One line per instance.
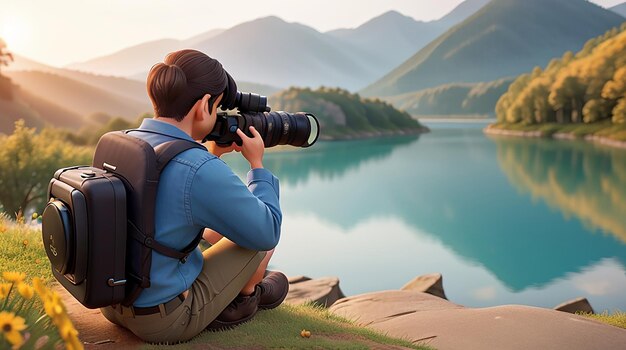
(321, 291)
(576, 305)
(426, 319)
(431, 284)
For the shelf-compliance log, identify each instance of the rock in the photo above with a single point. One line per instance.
(425, 319)
(298, 279)
(321, 291)
(575, 305)
(431, 284)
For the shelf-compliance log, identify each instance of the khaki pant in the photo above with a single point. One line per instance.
(227, 268)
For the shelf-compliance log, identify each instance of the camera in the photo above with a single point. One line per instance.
(276, 128)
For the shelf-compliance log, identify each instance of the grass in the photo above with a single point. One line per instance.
(22, 250)
(617, 319)
(603, 129)
(281, 328)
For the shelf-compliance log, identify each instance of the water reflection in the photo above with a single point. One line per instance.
(578, 179)
(449, 186)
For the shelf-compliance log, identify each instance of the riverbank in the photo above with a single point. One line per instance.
(601, 133)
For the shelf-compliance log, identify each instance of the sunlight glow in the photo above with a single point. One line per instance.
(15, 34)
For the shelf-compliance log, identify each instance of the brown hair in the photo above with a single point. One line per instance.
(183, 78)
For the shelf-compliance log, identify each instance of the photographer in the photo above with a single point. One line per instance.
(227, 283)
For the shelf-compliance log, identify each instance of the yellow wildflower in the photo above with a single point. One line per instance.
(40, 287)
(16, 277)
(25, 242)
(25, 290)
(35, 216)
(53, 305)
(5, 288)
(10, 327)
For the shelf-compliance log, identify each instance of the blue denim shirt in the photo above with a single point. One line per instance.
(198, 190)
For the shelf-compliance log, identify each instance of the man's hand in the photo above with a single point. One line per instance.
(218, 150)
(252, 148)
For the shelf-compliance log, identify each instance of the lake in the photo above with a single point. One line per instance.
(505, 220)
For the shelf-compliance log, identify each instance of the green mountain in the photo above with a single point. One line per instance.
(343, 115)
(453, 100)
(505, 38)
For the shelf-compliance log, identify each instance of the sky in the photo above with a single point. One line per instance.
(61, 32)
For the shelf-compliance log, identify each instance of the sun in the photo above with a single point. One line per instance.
(14, 33)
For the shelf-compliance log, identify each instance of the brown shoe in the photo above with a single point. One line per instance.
(273, 290)
(239, 311)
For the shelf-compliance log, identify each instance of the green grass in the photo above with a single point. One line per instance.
(604, 129)
(22, 250)
(281, 327)
(617, 319)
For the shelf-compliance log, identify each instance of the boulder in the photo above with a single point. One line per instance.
(321, 291)
(575, 305)
(298, 279)
(428, 320)
(431, 284)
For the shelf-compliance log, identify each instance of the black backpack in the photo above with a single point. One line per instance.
(98, 225)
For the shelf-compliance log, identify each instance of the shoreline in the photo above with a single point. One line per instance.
(601, 140)
(371, 135)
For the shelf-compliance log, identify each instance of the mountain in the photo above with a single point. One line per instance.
(273, 52)
(17, 103)
(343, 115)
(79, 97)
(505, 38)
(393, 37)
(453, 100)
(619, 9)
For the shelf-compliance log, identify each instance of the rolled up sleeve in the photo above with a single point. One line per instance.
(248, 215)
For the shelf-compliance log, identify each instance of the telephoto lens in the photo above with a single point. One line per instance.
(276, 128)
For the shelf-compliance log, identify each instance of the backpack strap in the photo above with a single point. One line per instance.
(165, 152)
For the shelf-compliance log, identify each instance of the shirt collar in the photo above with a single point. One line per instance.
(161, 127)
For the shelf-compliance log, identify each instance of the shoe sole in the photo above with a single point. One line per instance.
(218, 325)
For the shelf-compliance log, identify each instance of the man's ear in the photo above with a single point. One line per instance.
(203, 107)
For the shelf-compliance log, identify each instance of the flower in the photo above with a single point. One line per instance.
(53, 305)
(10, 326)
(5, 288)
(35, 216)
(40, 287)
(25, 242)
(25, 291)
(15, 277)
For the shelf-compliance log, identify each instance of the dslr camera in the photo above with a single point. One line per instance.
(276, 128)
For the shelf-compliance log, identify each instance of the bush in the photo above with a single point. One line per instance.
(27, 163)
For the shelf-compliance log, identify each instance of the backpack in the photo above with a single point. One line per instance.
(98, 224)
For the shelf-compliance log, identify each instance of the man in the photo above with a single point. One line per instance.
(224, 285)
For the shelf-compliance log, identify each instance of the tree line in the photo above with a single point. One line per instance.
(586, 87)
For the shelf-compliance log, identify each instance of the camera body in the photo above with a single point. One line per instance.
(276, 128)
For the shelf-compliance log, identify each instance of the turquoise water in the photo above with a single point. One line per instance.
(505, 220)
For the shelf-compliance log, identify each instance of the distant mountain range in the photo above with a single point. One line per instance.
(620, 9)
(273, 52)
(505, 38)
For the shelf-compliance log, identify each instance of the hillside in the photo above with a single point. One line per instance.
(81, 98)
(505, 38)
(17, 103)
(393, 37)
(587, 87)
(343, 115)
(619, 9)
(455, 99)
